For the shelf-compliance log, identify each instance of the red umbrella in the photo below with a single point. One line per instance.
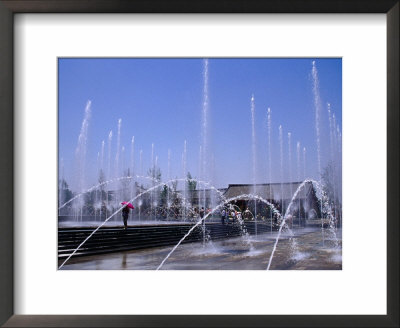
(127, 204)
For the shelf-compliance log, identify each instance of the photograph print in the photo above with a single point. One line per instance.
(200, 164)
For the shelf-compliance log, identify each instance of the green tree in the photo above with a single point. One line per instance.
(174, 197)
(164, 195)
(102, 186)
(329, 188)
(102, 195)
(154, 173)
(191, 187)
(327, 178)
(65, 193)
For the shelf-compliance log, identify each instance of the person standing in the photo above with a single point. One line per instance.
(202, 212)
(125, 216)
(247, 214)
(223, 216)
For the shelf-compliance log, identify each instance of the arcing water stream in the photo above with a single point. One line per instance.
(206, 172)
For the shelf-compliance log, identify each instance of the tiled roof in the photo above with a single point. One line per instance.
(268, 191)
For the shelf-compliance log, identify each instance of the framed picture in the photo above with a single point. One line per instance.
(221, 135)
(217, 213)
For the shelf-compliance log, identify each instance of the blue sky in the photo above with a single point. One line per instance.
(160, 101)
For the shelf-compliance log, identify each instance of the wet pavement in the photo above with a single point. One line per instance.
(118, 223)
(307, 250)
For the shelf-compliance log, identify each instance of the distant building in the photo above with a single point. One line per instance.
(208, 197)
(280, 195)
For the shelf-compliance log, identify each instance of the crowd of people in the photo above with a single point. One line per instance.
(229, 214)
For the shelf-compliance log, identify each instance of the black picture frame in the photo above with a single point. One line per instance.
(10, 7)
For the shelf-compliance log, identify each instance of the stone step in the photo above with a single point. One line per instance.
(112, 239)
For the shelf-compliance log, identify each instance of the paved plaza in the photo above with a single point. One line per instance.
(309, 249)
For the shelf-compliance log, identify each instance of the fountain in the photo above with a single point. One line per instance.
(298, 177)
(249, 196)
(253, 149)
(317, 105)
(290, 162)
(315, 183)
(164, 201)
(80, 155)
(281, 162)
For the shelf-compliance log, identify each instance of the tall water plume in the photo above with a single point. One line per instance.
(184, 173)
(101, 178)
(118, 151)
(339, 152)
(317, 105)
(200, 170)
(152, 174)
(212, 179)
(132, 167)
(157, 190)
(332, 151)
(253, 148)
(335, 131)
(169, 178)
(117, 165)
(269, 158)
(304, 178)
(80, 153)
(140, 202)
(281, 162)
(331, 146)
(290, 163)
(298, 174)
(338, 143)
(110, 134)
(109, 155)
(96, 196)
(298, 147)
(338, 172)
(204, 129)
(125, 190)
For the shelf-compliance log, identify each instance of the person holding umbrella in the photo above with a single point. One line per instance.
(125, 213)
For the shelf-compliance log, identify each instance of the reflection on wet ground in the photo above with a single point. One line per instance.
(119, 223)
(252, 253)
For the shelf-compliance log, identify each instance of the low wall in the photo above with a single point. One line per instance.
(115, 239)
